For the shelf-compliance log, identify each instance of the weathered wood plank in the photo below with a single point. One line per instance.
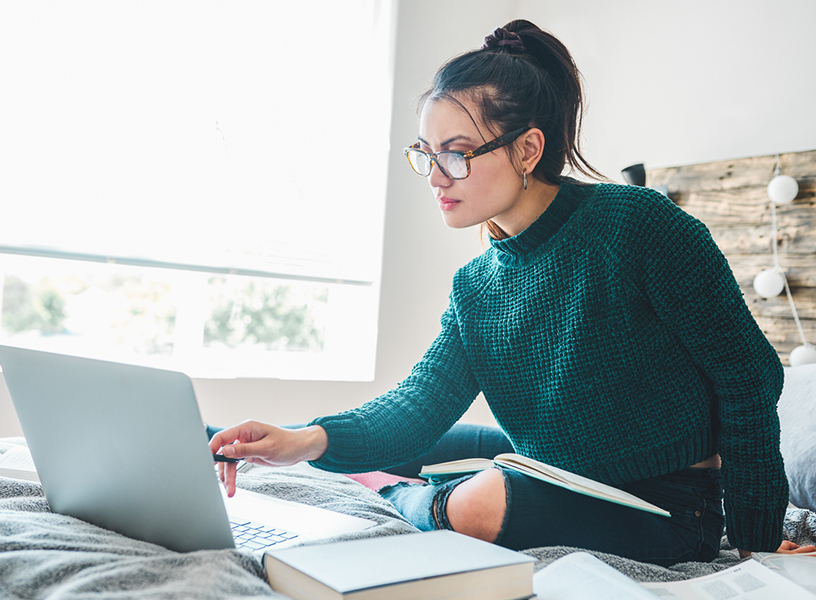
(733, 174)
(799, 270)
(782, 333)
(750, 205)
(779, 308)
(792, 239)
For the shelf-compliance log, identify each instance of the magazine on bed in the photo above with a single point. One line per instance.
(539, 470)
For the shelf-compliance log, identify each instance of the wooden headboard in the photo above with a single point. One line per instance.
(731, 198)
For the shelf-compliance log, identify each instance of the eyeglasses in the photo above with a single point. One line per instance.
(453, 164)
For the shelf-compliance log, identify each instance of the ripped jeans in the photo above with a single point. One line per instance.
(540, 514)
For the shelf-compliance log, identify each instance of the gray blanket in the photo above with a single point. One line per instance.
(45, 555)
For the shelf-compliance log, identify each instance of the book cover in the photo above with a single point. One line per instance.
(544, 472)
(433, 565)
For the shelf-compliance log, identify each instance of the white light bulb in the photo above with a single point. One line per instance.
(769, 283)
(803, 355)
(782, 189)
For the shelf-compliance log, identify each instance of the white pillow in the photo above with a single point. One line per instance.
(797, 418)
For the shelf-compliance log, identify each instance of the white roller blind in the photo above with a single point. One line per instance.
(250, 136)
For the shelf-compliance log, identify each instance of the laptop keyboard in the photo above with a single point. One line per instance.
(255, 536)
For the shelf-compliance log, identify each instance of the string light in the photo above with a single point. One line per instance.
(769, 283)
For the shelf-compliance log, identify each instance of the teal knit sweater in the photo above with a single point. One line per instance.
(609, 339)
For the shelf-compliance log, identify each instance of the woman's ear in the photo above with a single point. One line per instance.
(531, 144)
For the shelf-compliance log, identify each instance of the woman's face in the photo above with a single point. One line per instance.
(493, 188)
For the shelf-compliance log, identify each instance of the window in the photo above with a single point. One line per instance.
(198, 185)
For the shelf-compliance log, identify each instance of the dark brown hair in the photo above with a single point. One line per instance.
(535, 83)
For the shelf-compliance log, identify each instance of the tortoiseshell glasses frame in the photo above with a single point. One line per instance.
(422, 162)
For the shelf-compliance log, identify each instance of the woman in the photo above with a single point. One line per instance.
(603, 327)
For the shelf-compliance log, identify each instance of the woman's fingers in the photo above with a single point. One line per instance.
(229, 442)
(238, 441)
(789, 547)
(230, 471)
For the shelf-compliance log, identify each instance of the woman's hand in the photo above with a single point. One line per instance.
(786, 548)
(264, 444)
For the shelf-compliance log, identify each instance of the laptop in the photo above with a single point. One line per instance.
(124, 447)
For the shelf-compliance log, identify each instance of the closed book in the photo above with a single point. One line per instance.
(435, 565)
(542, 471)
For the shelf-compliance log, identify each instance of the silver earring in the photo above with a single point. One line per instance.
(524, 179)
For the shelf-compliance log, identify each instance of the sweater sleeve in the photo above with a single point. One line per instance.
(694, 292)
(408, 420)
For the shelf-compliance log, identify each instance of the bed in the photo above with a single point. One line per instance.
(46, 555)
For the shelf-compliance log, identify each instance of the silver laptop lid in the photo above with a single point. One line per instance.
(120, 446)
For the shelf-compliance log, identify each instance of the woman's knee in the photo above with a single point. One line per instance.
(476, 507)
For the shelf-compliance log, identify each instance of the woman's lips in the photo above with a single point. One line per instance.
(446, 203)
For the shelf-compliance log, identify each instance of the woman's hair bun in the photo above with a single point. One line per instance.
(501, 38)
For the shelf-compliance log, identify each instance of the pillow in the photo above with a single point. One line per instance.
(797, 418)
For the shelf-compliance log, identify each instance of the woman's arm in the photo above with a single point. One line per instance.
(408, 420)
(693, 291)
(387, 431)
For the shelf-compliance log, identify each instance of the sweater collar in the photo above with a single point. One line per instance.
(565, 203)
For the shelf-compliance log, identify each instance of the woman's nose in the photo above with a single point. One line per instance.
(437, 178)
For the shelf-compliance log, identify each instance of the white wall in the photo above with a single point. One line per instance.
(669, 83)
(684, 82)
